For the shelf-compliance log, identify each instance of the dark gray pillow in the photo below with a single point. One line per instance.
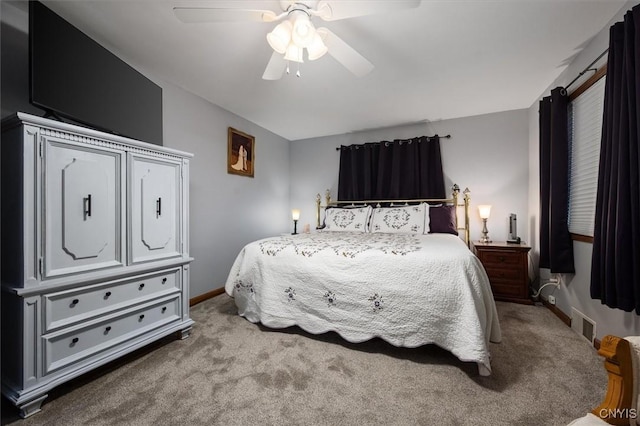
(442, 220)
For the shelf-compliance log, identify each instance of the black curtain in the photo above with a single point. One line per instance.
(615, 264)
(556, 246)
(401, 169)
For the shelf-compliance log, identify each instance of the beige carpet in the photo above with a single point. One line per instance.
(233, 372)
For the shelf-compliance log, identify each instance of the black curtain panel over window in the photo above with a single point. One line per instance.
(556, 246)
(401, 169)
(615, 264)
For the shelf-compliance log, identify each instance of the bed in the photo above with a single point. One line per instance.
(373, 271)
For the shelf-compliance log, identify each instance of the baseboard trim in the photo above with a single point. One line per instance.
(553, 308)
(206, 296)
(566, 319)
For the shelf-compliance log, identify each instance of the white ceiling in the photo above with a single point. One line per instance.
(445, 59)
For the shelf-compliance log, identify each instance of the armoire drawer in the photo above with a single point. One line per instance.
(70, 306)
(69, 346)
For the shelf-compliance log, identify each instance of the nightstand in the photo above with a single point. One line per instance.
(507, 266)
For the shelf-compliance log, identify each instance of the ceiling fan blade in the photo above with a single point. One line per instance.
(345, 54)
(191, 15)
(343, 9)
(275, 67)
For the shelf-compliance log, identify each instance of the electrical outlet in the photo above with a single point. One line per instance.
(552, 299)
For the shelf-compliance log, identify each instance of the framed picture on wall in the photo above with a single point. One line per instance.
(240, 153)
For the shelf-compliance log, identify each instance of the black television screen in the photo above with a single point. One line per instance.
(74, 77)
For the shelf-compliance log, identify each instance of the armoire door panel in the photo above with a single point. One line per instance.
(82, 198)
(155, 213)
(157, 191)
(84, 206)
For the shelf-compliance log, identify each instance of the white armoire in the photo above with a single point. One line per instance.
(95, 251)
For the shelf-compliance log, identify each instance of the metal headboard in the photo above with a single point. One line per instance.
(454, 201)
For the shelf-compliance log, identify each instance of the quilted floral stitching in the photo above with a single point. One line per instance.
(396, 218)
(342, 244)
(376, 302)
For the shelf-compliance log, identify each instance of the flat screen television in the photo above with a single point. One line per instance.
(73, 77)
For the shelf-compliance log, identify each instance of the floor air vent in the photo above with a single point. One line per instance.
(583, 325)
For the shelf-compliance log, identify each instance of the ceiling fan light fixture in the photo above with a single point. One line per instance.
(317, 48)
(303, 30)
(280, 37)
(294, 53)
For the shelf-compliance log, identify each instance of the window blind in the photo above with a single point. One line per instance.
(585, 127)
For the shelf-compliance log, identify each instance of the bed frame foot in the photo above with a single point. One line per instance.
(483, 370)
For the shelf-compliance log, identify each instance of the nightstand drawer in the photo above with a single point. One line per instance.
(501, 259)
(504, 274)
(507, 290)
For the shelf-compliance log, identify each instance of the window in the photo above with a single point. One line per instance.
(585, 131)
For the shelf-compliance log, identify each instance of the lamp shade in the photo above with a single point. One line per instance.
(280, 37)
(303, 30)
(295, 214)
(485, 211)
(317, 48)
(294, 53)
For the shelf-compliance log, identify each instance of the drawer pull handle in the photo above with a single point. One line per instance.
(164, 280)
(141, 317)
(107, 295)
(501, 258)
(108, 329)
(164, 308)
(141, 286)
(74, 340)
(74, 302)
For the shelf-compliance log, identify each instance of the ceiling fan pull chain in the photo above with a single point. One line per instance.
(298, 72)
(287, 68)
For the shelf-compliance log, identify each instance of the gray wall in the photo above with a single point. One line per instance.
(227, 211)
(575, 289)
(486, 153)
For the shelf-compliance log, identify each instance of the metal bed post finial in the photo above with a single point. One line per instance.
(327, 196)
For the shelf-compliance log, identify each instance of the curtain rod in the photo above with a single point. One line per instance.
(428, 137)
(587, 68)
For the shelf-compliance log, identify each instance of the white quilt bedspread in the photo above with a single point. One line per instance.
(407, 289)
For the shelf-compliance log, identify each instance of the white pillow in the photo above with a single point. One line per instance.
(347, 219)
(401, 219)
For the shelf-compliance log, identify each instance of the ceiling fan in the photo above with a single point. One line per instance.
(296, 32)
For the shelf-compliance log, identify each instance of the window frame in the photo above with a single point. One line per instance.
(600, 73)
